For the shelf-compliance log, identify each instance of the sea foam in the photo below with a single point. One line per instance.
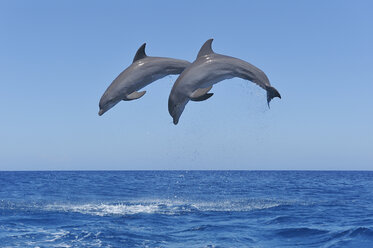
(168, 207)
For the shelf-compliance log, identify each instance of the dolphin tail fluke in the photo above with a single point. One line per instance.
(272, 93)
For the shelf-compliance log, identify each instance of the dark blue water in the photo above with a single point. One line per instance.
(186, 209)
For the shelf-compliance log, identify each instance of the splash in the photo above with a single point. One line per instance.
(167, 207)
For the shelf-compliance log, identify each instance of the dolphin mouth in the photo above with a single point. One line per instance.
(101, 112)
(176, 121)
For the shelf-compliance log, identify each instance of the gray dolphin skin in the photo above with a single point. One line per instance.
(209, 68)
(143, 71)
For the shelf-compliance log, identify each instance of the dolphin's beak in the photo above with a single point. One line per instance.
(176, 121)
(101, 112)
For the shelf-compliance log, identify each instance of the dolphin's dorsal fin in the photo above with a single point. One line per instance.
(140, 54)
(134, 95)
(199, 94)
(206, 48)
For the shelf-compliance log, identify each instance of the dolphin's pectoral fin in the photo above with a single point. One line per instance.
(134, 95)
(200, 92)
(202, 98)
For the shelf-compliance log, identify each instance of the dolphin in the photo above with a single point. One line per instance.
(143, 71)
(209, 68)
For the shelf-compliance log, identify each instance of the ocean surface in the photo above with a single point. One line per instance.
(186, 209)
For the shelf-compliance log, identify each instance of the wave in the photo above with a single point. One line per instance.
(304, 231)
(281, 219)
(351, 237)
(300, 232)
(167, 207)
(358, 232)
(103, 209)
(45, 237)
(362, 231)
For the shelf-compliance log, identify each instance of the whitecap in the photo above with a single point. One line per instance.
(168, 207)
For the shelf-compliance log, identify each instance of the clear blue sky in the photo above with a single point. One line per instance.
(58, 57)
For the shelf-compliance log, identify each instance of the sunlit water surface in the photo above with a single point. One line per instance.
(186, 209)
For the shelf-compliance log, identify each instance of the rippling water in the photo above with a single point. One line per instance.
(186, 209)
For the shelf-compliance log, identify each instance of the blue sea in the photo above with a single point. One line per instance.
(186, 209)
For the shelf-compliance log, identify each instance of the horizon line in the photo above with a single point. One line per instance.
(145, 170)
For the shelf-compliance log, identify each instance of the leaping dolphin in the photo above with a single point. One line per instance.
(209, 68)
(143, 71)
